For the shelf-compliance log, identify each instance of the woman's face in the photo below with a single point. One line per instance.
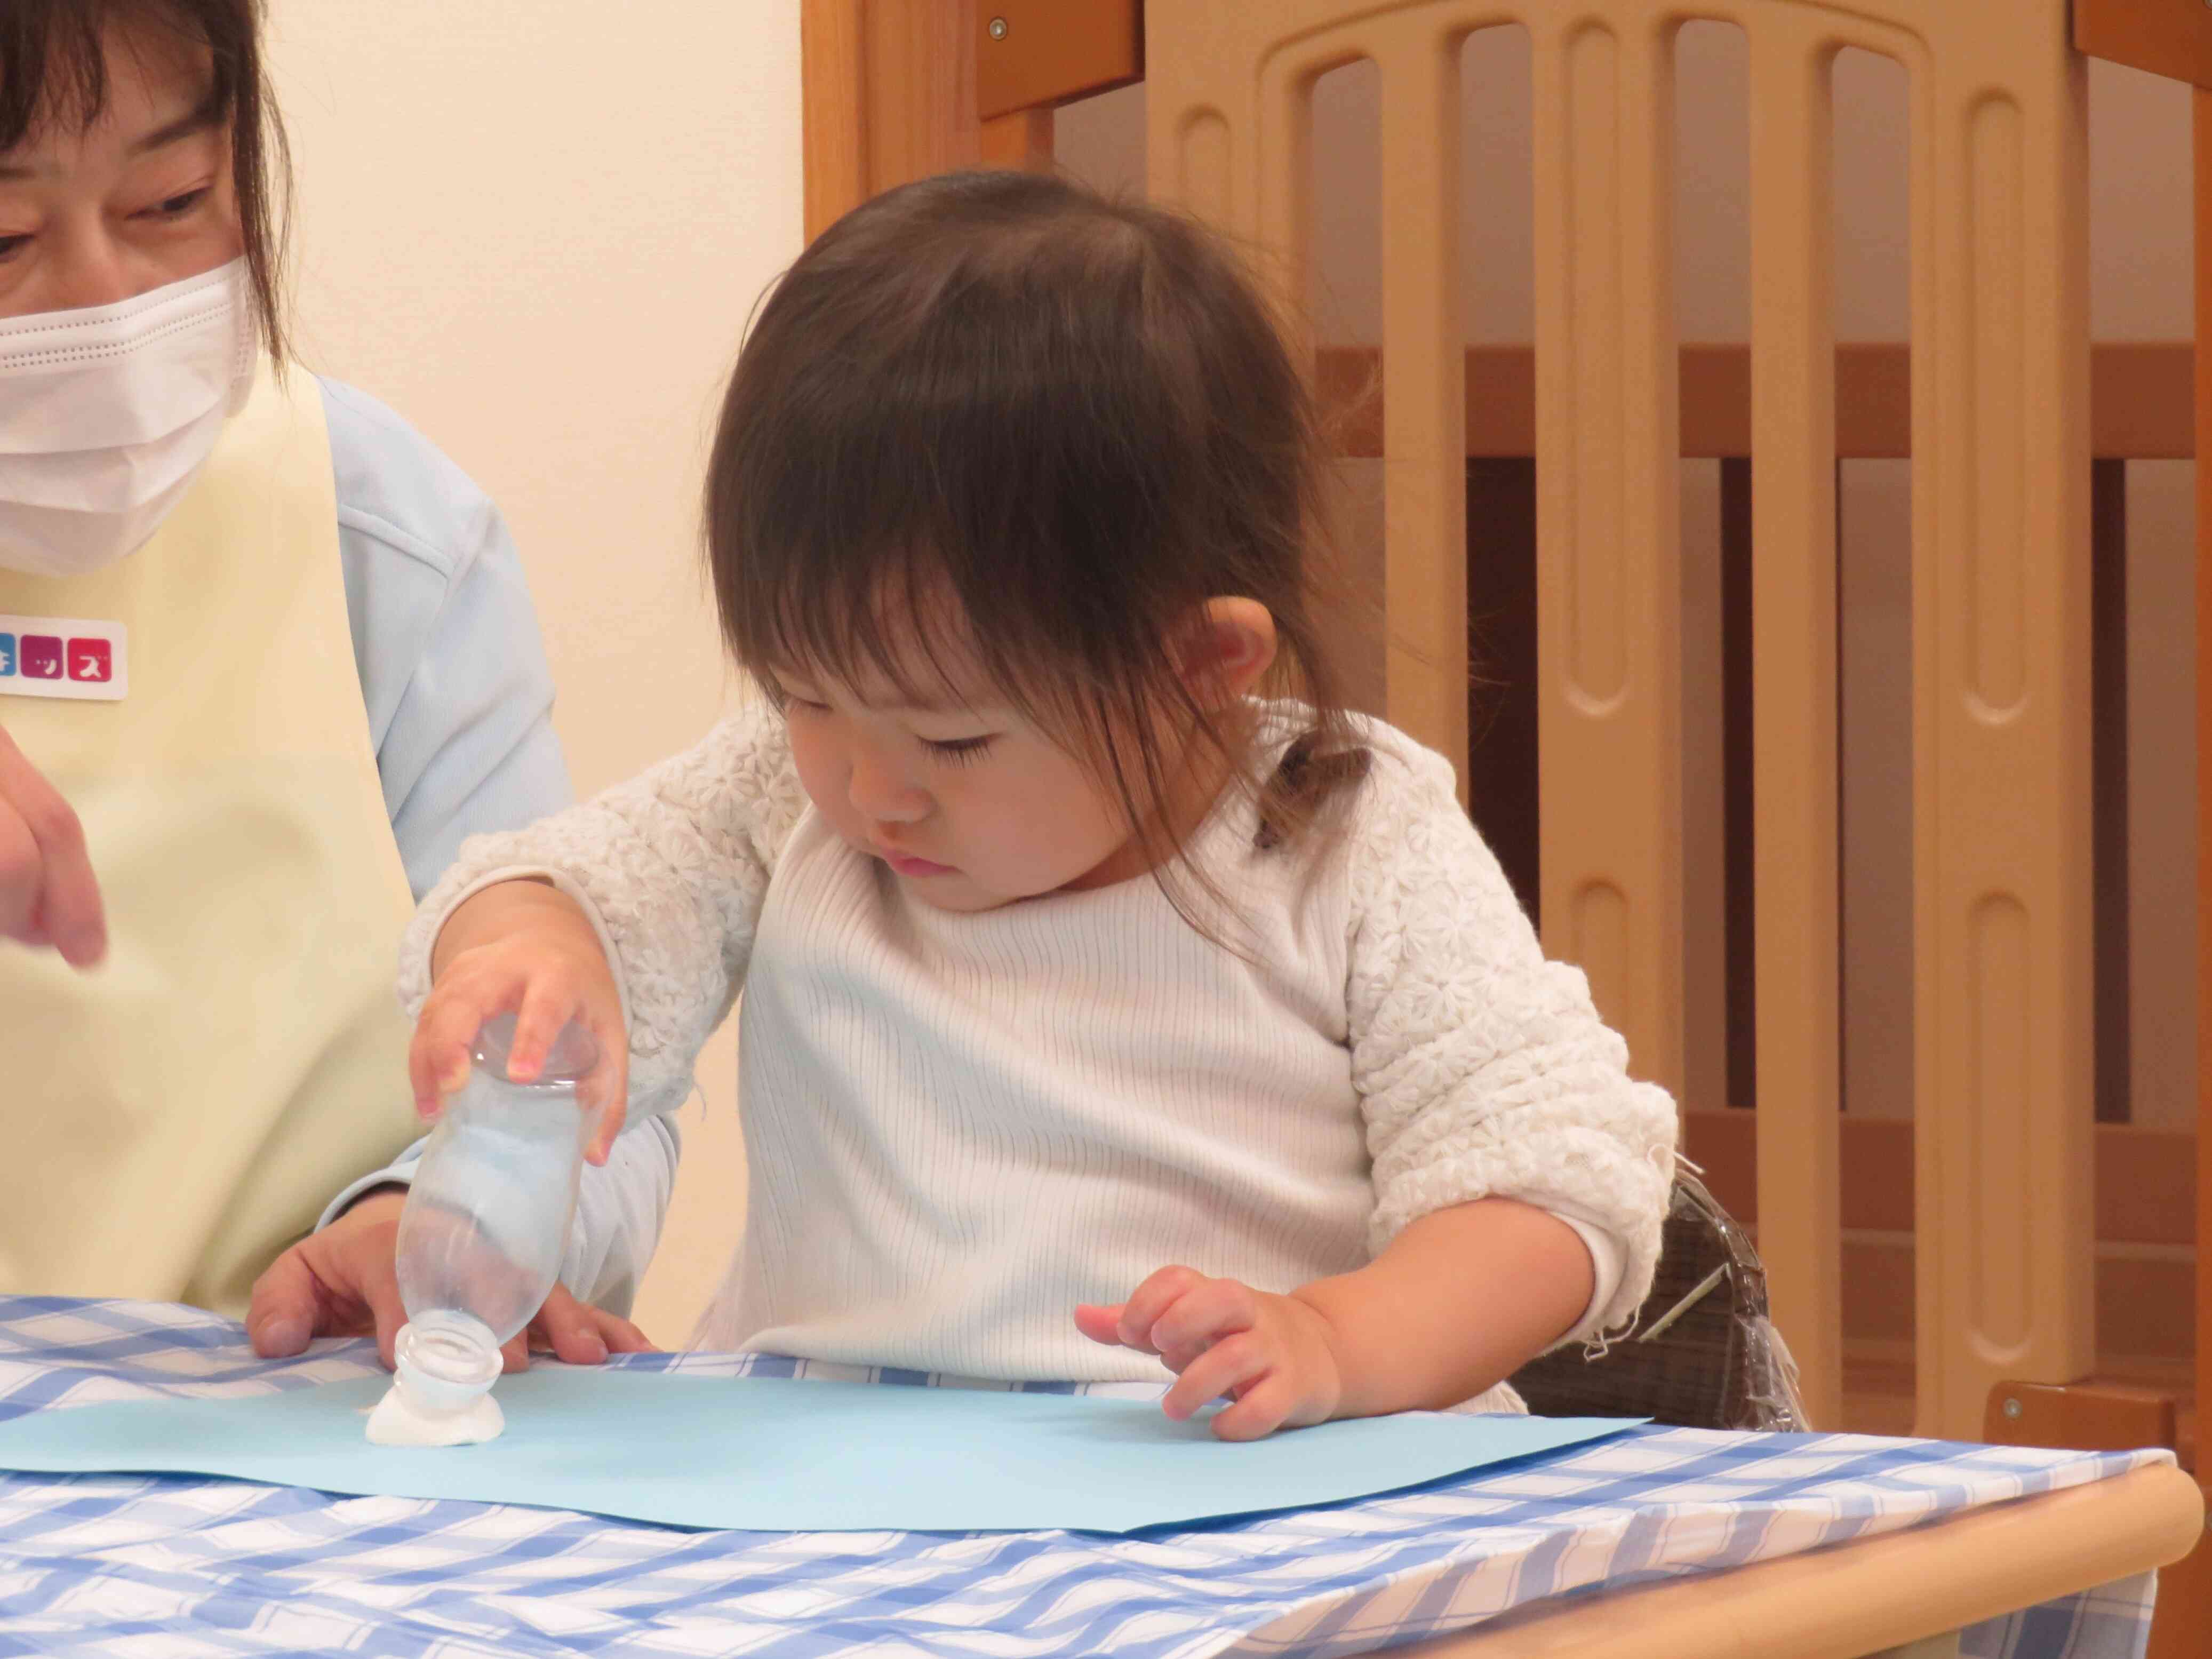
(140, 198)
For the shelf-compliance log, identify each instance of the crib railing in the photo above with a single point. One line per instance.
(2001, 739)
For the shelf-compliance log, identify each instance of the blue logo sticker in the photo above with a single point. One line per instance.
(7, 656)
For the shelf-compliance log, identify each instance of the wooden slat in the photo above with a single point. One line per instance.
(1608, 525)
(1795, 776)
(2141, 401)
(1424, 494)
(2203, 215)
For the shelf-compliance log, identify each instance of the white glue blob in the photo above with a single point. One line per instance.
(399, 1421)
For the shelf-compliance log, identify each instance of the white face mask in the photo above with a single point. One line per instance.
(106, 415)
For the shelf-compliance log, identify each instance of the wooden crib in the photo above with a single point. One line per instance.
(2002, 750)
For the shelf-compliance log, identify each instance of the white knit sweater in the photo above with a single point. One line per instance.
(958, 1127)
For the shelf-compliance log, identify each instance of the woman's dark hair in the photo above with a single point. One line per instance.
(53, 68)
(1074, 418)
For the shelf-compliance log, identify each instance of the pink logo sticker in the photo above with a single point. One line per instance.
(42, 657)
(91, 661)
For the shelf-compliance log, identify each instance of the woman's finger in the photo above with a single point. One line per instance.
(279, 1322)
(569, 1330)
(620, 1335)
(60, 896)
(378, 1269)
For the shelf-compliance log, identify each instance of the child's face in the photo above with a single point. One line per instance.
(970, 805)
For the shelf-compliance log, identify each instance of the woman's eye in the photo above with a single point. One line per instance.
(12, 245)
(176, 207)
(960, 750)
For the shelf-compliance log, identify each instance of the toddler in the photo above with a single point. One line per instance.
(1113, 998)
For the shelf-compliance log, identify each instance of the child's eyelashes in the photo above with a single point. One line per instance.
(961, 752)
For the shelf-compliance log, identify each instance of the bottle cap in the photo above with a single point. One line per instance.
(446, 1361)
(572, 1057)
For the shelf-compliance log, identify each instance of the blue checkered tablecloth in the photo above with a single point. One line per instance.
(166, 1567)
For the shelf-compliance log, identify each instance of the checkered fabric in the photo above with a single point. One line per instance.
(175, 1568)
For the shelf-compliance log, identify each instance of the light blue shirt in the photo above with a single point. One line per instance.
(460, 699)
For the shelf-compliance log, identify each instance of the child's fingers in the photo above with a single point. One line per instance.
(1223, 1369)
(1264, 1407)
(515, 1355)
(549, 1003)
(1101, 1323)
(438, 1058)
(608, 1088)
(1152, 1299)
(1202, 1316)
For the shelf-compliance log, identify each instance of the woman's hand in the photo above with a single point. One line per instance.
(48, 895)
(342, 1281)
(1274, 1356)
(523, 948)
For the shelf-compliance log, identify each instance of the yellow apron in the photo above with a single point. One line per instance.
(176, 1118)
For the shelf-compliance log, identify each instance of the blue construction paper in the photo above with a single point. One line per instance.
(763, 1454)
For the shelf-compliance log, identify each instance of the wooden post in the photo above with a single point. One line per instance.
(895, 90)
(888, 95)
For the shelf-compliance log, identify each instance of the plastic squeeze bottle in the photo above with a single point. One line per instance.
(482, 1236)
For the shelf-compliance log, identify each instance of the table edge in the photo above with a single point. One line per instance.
(1842, 1602)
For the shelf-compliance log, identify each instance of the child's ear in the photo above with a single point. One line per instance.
(1229, 646)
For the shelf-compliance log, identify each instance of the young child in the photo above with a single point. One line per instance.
(1099, 1006)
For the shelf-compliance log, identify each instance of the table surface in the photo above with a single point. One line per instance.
(165, 1566)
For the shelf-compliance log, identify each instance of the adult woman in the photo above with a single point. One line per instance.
(210, 570)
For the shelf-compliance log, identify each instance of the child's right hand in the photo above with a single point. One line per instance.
(523, 948)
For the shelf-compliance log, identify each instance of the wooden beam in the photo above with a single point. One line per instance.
(1037, 54)
(2172, 37)
(2146, 1178)
(2141, 406)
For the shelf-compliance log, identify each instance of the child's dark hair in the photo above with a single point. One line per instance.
(1075, 418)
(53, 69)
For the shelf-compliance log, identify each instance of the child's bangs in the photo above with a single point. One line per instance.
(889, 624)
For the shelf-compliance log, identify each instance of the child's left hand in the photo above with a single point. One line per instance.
(1275, 1356)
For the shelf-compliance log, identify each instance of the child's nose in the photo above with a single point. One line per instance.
(884, 797)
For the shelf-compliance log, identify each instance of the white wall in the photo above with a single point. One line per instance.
(535, 228)
(2140, 161)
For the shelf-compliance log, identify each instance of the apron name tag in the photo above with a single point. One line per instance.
(64, 657)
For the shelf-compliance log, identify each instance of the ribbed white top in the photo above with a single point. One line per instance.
(960, 1126)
